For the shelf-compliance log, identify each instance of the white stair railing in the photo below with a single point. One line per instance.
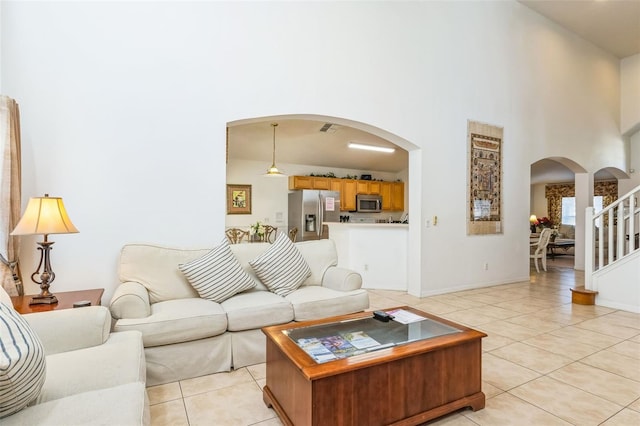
(611, 234)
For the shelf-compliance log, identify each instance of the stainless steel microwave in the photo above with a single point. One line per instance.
(366, 203)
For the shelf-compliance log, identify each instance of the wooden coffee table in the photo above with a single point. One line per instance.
(404, 383)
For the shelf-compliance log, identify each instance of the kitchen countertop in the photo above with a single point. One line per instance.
(375, 224)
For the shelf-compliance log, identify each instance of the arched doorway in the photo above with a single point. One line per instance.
(303, 146)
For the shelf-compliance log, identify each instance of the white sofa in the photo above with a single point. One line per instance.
(187, 336)
(93, 377)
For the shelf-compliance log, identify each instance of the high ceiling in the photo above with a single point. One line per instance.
(612, 25)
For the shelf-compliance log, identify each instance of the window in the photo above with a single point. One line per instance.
(569, 209)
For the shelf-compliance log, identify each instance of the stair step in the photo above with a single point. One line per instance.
(582, 296)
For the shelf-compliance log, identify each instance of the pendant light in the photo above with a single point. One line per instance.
(273, 170)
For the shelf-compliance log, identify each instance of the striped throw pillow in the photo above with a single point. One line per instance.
(281, 268)
(22, 362)
(217, 275)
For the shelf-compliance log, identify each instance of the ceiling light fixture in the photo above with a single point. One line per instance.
(371, 147)
(273, 170)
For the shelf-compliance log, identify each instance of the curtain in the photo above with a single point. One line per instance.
(10, 194)
(554, 193)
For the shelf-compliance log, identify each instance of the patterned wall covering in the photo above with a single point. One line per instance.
(484, 196)
(554, 193)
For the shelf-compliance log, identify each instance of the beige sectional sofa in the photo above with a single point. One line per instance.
(187, 336)
(91, 376)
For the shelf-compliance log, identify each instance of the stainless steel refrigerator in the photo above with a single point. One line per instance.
(309, 210)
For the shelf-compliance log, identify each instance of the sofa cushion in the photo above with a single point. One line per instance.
(22, 362)
(281, 268)
(255, 309)
(176, 321)
(314, 302)
(320, 255)
(156, 268)
(217, 275)
(567, 231)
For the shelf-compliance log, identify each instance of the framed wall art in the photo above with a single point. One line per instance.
(484, 192)
(238, 199)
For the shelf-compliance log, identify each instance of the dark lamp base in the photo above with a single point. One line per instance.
(43, 300)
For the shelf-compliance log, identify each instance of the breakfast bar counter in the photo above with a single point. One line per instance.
(378, 251)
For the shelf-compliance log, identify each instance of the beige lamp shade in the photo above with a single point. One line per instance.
(43, 216)
(533, 219)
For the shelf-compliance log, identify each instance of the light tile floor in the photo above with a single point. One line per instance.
(545, 361)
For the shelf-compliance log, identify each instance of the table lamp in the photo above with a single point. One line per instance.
(43, 216)
(533, 220)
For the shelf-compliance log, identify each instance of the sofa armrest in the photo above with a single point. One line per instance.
(71, 329)
(341, 279)
(130, 300)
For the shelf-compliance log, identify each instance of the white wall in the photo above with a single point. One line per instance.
(124, 108)
(630, 94)
(626, 185)
(539, 200)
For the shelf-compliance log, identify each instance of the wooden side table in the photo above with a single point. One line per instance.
(66, 299)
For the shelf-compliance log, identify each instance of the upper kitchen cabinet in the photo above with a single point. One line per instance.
(348, 191)
(309, 182)
(368, 187)
(392, 192)
(397, 196)
(392, 196)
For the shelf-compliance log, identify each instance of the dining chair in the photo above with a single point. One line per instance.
(293, 233)
(540, 251)
(270, 233)
(236, 235)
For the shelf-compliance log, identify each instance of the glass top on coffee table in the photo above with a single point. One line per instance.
(342, 339)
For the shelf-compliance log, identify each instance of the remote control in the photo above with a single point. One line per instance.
(382, 316)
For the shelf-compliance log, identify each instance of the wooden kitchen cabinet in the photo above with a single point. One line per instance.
(385, 192)
(321, 183)
(368, 187)
(300, 182)
(397, 196)
(348, 191)
(309, 182)
(392, 196)
(392, 192)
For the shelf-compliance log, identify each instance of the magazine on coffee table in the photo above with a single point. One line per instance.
(323, 349)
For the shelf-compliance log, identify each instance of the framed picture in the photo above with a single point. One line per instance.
(484, 184)
(238, 199)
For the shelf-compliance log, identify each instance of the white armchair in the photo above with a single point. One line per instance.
(92, 376)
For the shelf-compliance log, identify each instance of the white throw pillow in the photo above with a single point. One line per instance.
(217, 275)
(22, 362)
(281, 268)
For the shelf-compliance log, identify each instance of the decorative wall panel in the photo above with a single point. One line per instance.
(484, 194)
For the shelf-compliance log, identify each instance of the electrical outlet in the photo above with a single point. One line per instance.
(486, 266)
(366, 267)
